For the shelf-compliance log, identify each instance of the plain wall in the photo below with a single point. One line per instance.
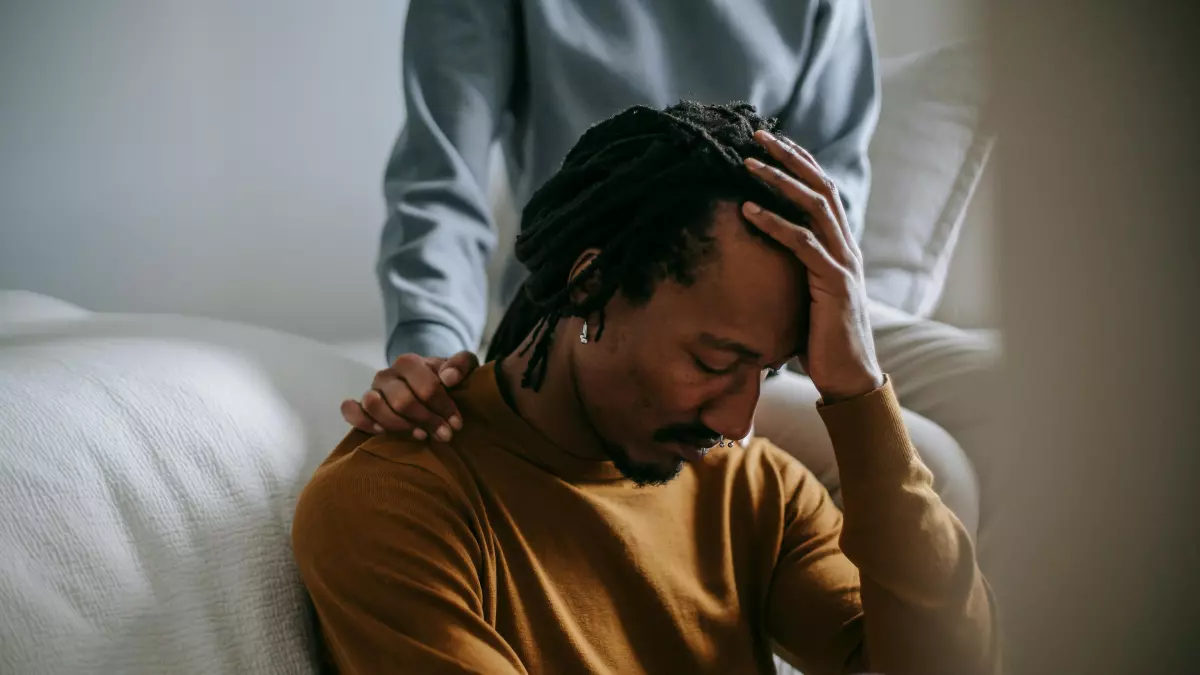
(224, 158)
(218, 158)
(1098, 438)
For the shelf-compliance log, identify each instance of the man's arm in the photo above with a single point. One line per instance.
(459, 60)
(835, 105)
(925, 606)
(386, 551)
(895, 587)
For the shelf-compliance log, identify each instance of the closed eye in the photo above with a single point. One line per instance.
(710, 370)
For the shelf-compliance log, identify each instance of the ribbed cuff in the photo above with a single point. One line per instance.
(869, 438)
(425, 338)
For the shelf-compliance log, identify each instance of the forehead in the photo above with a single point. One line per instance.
(750, 291)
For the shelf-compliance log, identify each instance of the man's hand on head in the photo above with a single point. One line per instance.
(411, 397)
(840, 356)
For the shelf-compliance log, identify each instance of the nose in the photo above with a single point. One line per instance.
(731, 413)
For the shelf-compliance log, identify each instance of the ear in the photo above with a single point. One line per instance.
(581, 263)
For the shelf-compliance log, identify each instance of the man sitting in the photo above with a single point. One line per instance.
(580, 523)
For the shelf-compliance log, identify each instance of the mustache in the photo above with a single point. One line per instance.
(694, 434)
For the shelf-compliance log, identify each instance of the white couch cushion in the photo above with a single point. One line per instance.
(927, 156)
(21, 306)
(148, 472)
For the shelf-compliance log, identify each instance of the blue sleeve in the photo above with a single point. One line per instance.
(458, 63)
(836, 102)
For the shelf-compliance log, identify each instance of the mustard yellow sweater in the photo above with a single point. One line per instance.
(499, 553)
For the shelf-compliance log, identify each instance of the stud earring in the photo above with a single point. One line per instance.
(722, 443)
(583, 333)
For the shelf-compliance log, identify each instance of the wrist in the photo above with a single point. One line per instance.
(424, 338)
(860, 386)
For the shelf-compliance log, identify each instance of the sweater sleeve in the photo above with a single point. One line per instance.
(459, 62)
(388, 554)
(835, 105)
(891, 586)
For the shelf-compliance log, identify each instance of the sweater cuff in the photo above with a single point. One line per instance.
(869, 437)
(425, 338)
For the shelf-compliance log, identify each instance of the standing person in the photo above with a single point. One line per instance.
(536, 74)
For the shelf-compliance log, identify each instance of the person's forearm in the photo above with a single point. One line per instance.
(928, 609)
(433, 264)
(836, 105)
(426, 338)
(458, 71)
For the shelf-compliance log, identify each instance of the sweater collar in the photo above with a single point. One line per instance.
(481, 399)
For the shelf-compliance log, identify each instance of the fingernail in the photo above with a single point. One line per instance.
(754, 163)
(444, 433)
(377, 429)
(451, 377)
(420, 434)
(456, 422)
(751, 207)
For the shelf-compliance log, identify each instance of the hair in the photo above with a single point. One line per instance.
(641, 187)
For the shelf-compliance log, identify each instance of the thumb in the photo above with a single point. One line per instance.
(457, 367)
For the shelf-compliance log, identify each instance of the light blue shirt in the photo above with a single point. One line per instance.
(535, 74)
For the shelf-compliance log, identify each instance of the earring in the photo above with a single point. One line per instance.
(722, 443)
(583, 333)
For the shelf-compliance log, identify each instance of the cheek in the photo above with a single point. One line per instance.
(637, 382)
(603, 368)
(667, 383)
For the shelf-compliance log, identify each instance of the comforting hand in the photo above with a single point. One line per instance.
(410, 397)
(841, 352)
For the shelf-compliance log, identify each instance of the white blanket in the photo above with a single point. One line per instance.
(148, 470)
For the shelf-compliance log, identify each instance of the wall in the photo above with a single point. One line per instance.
(218, 158)
(223, 158)
(1095, 419)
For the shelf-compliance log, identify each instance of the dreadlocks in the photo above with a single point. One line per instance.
(641, 188)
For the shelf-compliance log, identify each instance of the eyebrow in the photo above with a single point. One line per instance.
(728, 345)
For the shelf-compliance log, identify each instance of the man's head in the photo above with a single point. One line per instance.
(640, 234)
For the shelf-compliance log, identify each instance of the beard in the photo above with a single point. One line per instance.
(643, 474)
(647, 475)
